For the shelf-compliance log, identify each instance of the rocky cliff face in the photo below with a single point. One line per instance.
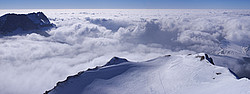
(23, 22)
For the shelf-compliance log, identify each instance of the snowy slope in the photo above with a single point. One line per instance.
(177, 74)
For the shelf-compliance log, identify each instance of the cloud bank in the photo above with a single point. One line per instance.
(87, 38)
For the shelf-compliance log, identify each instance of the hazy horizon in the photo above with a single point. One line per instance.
(127, 4)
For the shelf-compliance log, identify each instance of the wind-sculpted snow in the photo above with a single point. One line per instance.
(171, 74)
(84, 39)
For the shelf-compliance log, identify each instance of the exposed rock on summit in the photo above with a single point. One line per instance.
(18, 24)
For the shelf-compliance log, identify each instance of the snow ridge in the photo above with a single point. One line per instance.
(91, 72)
(175, 74)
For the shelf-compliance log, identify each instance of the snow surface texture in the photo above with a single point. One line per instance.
(84, 39)
(178, 74)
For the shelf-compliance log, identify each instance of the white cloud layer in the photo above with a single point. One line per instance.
(32, 64)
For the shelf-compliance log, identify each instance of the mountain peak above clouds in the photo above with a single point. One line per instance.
(175, 74)
(19, 24)
(116, 60)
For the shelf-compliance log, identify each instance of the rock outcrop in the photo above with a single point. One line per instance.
(18, 24)
(209, 59)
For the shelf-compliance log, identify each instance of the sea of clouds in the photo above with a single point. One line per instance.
(83, 39)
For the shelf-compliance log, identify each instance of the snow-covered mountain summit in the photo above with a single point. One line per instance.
(15, 24)
(170, 74)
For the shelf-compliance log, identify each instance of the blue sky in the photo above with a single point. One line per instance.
(124, 4)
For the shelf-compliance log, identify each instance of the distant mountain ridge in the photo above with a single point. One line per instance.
(23, 23)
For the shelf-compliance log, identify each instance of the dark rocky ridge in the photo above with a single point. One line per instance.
(18, 24)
